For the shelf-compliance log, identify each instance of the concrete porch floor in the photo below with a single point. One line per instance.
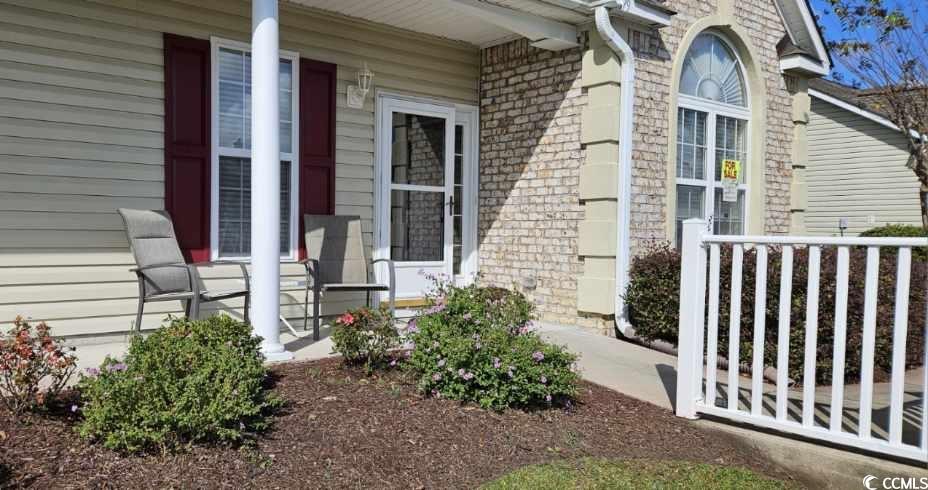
(650, 376)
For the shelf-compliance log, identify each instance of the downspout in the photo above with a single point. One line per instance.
(624, 197)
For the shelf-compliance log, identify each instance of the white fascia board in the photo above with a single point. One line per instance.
(798, 62)
(644, 13)
(809, 21)
(637, 12)
(544, 33)
(872, 116)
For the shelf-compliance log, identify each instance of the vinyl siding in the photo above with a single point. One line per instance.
(856, 170)
(81, 134)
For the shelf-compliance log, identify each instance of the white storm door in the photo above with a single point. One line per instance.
(415, 170)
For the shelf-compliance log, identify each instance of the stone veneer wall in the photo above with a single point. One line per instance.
(654, 51)
(530, 158)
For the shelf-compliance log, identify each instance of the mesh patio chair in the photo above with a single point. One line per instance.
(336, 262)
(161, 270)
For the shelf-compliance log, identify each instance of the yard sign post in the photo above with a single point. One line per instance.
(692, 311)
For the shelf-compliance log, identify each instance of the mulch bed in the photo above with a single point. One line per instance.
(342, 429)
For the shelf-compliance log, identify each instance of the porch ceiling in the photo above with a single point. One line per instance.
(438, 19)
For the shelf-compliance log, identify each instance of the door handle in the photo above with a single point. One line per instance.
(451, 203)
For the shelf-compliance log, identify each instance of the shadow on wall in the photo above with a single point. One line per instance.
(529, 160)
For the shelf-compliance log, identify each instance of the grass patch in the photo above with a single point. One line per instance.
(609, 474)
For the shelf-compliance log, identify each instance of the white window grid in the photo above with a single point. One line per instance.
(218, 151)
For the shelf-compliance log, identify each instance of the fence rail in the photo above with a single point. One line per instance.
(776, 406)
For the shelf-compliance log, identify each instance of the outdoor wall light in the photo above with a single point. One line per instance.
(357, 93)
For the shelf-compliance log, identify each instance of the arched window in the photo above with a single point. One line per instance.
(712, 126)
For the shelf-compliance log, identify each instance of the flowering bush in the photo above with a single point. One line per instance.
(29, 358)
(364, 336)
(189, 381)
(476, 344)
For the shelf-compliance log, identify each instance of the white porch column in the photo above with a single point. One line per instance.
(265, 178)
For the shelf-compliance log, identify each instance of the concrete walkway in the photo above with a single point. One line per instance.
(650, 376)
(628, 368)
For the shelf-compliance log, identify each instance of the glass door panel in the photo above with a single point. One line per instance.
(416, 168)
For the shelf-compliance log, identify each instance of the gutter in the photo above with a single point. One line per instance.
(624, 192)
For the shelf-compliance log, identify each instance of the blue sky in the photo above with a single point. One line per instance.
(831, 28)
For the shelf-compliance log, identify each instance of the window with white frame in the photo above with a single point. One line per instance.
(231, 199)
(712, 126)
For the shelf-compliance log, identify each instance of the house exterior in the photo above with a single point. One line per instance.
(539, 143)
(857, 174)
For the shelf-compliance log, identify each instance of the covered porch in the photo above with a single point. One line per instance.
(423, 211)
(148, 105)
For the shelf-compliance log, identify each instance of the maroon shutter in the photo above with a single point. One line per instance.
(187, 142)
(317, 140)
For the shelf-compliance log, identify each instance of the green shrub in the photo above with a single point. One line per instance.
(653, 293)
(911, 231)
(34, 367)
(190, 381)
(653, 300)
(474, 344)
(365, 336)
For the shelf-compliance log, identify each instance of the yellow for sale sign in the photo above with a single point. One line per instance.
(731, 176)
(731, 170)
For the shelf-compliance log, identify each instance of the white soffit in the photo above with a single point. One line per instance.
(437, 19)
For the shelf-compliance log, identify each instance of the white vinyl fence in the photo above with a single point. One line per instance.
(837, 414)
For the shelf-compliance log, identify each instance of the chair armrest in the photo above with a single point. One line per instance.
(242, 265)
(312, 270)
(391, 268)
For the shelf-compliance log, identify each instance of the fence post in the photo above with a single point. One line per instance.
(691, 318)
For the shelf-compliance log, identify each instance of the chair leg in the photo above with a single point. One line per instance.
(195, 308)
(187, 305)
(306, 309)
(393, 304)
(367, 302)
(247, 300)
(138, 316)
(316, 299)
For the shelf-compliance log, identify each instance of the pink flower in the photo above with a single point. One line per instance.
(116, 367)
(538, 356)
(347, 319)
(496, 362)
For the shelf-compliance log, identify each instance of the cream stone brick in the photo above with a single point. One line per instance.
(537, 172)
(596, 294)
(599, 181)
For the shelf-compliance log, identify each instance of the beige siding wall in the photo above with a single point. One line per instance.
(81, 122)
(856, 170)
